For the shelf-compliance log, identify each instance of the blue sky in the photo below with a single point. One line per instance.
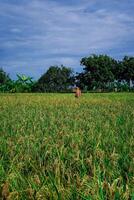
(35, 34)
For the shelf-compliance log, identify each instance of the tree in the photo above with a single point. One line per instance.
(118, 71)
(23, 84)
(5, 81)
(4, 78)
(56, 79)
(128, 69)
(83, 81)
(98, 71)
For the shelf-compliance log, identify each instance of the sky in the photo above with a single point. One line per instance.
(36, 34)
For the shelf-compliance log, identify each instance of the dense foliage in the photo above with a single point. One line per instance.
(4, 78)
(105, 73)
(100, 73)
(22, 84)
(56, 79)
(98, 70)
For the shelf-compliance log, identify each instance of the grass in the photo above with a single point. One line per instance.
(54, 146)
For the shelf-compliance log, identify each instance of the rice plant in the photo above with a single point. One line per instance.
(55, 146)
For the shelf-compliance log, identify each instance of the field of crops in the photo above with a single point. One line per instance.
(54, 146)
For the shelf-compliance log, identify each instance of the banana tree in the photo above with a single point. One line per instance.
(24, 79)
(24, 83)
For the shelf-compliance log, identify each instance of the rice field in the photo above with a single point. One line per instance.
(55, 146)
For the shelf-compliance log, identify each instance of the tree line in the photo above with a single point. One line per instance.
(100, 73)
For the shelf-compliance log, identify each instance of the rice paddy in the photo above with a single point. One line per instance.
(55, 146)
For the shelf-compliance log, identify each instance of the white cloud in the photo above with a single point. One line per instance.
(47, 28)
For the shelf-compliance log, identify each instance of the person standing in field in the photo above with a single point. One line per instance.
(77, 92)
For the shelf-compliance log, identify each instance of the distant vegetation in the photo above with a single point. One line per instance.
(100, 73)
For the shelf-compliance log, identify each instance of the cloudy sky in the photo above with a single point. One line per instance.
(35, 34)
